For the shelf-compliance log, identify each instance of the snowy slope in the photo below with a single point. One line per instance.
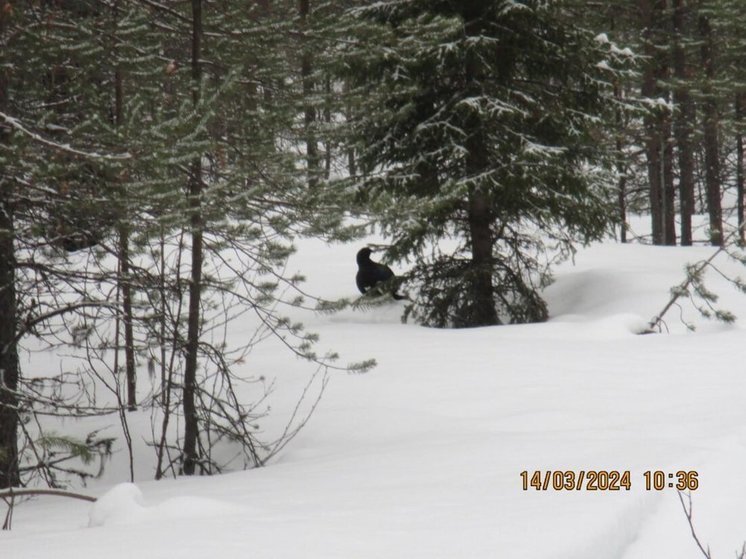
(421, 457)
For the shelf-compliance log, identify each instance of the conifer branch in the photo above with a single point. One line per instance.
(16, 124)
(694, 272)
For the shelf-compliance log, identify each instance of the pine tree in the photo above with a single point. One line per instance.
(231, 182)
(477, 128)
(127, 141)
(53, 179)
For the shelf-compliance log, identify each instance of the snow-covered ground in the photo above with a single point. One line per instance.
(422, 456)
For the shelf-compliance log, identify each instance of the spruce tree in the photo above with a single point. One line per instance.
(477, 128)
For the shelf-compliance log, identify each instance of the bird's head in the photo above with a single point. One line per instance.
(363, 255)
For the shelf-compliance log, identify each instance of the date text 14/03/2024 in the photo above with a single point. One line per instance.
(607, 480)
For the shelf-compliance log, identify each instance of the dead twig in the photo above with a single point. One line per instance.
(9, 496)
(688, 513)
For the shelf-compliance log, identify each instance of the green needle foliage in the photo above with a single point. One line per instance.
(477, 127)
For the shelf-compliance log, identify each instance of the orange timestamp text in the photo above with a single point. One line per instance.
(607, 480)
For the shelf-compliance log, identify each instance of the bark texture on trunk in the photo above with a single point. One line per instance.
(124, 261)
(740, 178)
(655, 139)
(309, 113)
(712, 142)
(683, 124)
(482, 308)
(191, 424)
(669, 188)
(127, 317)
(9, 368)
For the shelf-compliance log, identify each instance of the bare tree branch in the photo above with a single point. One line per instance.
(688, 513)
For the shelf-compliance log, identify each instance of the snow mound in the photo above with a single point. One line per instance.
(121, 504)
(125, 504)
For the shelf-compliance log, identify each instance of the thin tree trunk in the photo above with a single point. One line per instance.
(129, 338)
(740, 98)
(328, 121)
(712, 142)
(651, 17)
(191, 425)
(351, 163)
(621, 166)
(124, 263)
(351, 160)
(669, 190)
(312, 148)
(622, 197)
(683, 125)
(654, 164)
(9, 369)
(168, 371)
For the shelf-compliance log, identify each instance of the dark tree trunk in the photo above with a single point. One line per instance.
(351, 159)
(309, 118)
(655, 69)
(124, 264)
(129, 338)
(712, 142)
(740, 99)
(484, 312)
(683, 124)
(621, 167)
(9, 369)
(482, 309)
(653, 148)
(351, 163)
(191, 424)
(620, 157)
(622, 197)
(669, 190)
(328, 121)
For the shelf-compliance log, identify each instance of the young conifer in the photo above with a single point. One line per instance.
(476, 125)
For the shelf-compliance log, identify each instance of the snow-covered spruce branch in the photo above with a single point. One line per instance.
(680, 290)
(16, 124)
(693, 273)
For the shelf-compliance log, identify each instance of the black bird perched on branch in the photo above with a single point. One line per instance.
(370, 274)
